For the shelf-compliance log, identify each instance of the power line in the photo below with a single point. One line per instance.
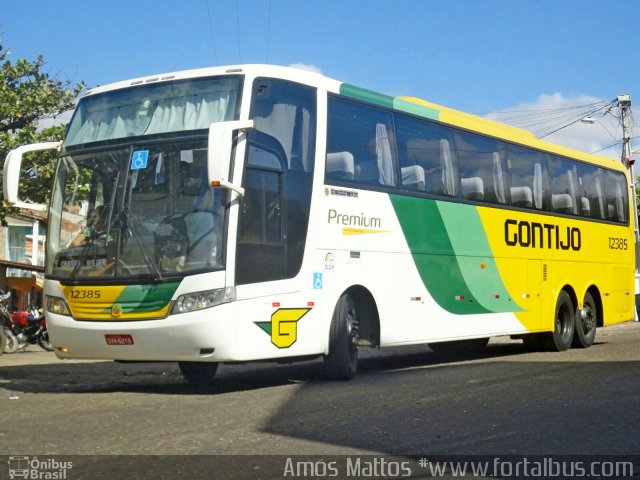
(542, 110)
(213, 40)
(238, 30)
(546, 132)
(544, 122)
(266, 57)
(619, 142)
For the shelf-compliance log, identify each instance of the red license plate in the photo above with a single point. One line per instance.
(119, 339)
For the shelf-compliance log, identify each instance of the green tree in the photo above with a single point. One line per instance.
(29, 99)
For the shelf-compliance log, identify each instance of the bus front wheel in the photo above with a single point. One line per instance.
(198, 373)
(564, 325)
(341, 363)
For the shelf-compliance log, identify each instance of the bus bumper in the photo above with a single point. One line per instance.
(206, 335)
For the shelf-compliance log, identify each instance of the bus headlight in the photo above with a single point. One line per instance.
(191, 302)
(57, 305)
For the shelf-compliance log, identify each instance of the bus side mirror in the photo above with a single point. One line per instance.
(219, 153)
(11, 177)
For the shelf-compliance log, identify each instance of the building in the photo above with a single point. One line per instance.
(22, 258)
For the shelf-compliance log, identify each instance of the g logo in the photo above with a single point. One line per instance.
(283, 326)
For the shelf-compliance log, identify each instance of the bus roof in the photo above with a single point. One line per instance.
(411, 105)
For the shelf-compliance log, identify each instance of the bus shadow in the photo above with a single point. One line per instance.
(498, 407)
(165, 378)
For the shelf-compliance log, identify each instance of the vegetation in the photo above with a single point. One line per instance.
(31, 102)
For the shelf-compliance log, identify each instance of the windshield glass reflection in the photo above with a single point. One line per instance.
(135, 212)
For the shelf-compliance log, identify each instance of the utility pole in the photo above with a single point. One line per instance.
(624, 102)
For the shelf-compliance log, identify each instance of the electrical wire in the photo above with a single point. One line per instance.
(522, 115)
(544, 132)
(213, 40)
(619, 142)
(238, 30)
(544, 122)
(266, 57)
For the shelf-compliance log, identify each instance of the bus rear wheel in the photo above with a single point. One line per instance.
(198, 374)
(341, 363)
(586, 323)
(564, 325)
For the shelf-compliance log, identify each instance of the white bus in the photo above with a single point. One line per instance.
(258, 212)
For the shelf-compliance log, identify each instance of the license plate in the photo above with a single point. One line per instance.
(119, 339)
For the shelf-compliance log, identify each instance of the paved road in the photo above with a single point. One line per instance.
(504, 401)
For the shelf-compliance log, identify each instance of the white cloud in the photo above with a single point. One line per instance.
(549, 112)
(63, 118)
(308, 68)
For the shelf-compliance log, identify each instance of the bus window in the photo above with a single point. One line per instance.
(426, 157)
(528, 178)
(616, 197)
(365, 134)
(287, 112)
(564, 185)
(480, 161)
(591, 192)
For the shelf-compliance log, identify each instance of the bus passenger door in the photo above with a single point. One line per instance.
(279, 310)
(261, 249)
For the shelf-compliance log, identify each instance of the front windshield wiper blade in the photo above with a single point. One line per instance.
(112, 202)
(93, 235)
(125, 219)
(90, 239)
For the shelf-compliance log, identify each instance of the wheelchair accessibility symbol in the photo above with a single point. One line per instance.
(139, 159)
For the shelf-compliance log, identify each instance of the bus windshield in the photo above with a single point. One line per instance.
(138, 211)
(155, 108)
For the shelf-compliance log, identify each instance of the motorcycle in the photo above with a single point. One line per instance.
(30, 327)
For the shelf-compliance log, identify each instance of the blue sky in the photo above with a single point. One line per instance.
(478, 56)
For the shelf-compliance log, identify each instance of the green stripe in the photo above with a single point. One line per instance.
(387, 101)
(449, 262)
(416, 109)
(433, 254)
(472, 249)
(366, 95)
(145, 298)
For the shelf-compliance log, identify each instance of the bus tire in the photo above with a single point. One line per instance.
(564, 325)
(341, 363)
(198, 373)
(586, 323)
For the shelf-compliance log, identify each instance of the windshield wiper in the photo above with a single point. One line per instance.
(112, 202)
(151, 264)
(125, 219)
(89, 239)
(92, 235)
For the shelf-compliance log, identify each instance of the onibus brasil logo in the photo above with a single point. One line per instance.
(34, 468)
(283, 326)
